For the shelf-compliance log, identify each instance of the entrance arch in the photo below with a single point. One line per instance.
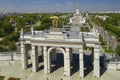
(53, 55)
(56, 48)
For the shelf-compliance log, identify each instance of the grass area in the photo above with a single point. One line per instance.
(13, 78)
(2, 77)
(84, 29)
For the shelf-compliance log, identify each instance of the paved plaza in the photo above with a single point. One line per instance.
(15, 70)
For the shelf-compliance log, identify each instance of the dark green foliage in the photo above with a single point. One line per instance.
(111, 24)
(5, 28)
(2, 77)
(2, 48)
(117, 50)
(101, 40)
(12, 46)
(8, 42)
(13, 78)
(45, 22)
(113, 29)
(109, 50)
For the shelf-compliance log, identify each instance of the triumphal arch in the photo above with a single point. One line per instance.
(47, 43)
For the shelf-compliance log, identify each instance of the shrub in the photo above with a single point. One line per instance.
(13, 78)
(2, 77)
(117, 50)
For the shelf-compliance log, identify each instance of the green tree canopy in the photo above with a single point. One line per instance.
(118, 50)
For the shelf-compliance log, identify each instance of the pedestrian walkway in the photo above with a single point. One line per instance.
(14, 70)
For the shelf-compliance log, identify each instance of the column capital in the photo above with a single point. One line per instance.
(45, 48)
(22, 45)
(67, 48)
(81, 50)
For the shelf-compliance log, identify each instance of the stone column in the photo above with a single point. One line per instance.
(23, 56)
(49, 62)
(96, 72)
(34, 59)
(81, 62)
(45, 60)
(67, 62)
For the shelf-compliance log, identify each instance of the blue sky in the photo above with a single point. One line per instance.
(59, 5)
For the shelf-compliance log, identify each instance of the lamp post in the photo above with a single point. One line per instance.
(19, 52)
(9, 57)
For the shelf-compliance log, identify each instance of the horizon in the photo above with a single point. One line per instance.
(48, 6)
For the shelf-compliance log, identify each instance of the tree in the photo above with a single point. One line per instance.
(12, 46)
(45, 22)
(1, 32)
(118, 50)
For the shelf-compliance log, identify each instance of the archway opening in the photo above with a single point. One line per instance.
(74, 60)
(88, 60)
(40, 58)
(28, 55)
(56, 59)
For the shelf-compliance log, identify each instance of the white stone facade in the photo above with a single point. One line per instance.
(77, 18)
(50, 41)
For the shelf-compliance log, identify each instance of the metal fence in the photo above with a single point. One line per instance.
(12, 56)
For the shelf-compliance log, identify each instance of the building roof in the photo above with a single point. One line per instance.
(54, 17)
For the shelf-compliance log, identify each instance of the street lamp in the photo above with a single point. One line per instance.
(9, 58)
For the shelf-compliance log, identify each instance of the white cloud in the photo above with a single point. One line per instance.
(35, 2)
(44, 1)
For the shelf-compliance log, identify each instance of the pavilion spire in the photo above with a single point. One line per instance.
(77, 7)
(77, 4)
